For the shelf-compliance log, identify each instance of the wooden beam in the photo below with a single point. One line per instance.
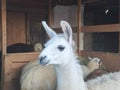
(28, 5)
(12, 63)
(7, 78)
(102, 28)
(80, 24)
(4, 34)
(89, 1)
(119, 22)
(100, 55)
(25, 2)
(27, 28)
(58, 30)
(119, 42)
(27, 9)
(4, 42)
(7, 83)
(50, 18)
(23, 57)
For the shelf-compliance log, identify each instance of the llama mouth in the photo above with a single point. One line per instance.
(44, 63)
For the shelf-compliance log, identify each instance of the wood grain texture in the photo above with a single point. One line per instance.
(102, 28)
(12, 66)
(110, 60)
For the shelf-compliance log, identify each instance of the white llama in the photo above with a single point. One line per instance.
(58, 51)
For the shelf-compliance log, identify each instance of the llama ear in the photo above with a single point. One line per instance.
(67, 30)
(97, 60)
(90, 58)
(49, 31)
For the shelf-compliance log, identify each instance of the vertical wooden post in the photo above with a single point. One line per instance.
(119, 22)
(7, 74)
(50, 13)
(27, 29)
(80, 23)
(79, 26)
(4, 40)
(119, 42)
(4, 35)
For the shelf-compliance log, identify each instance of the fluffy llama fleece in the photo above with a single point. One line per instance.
(37, 77)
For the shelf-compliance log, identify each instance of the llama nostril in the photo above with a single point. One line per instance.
(42, 58)
(43, 61)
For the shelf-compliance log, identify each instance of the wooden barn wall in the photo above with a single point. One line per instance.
(111, 61)
(58, 11)
(36, 32)
(16, 28)
(0, 33)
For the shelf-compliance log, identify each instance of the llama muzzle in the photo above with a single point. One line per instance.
(43, 60)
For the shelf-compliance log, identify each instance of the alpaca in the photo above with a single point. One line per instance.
(93, 64)
(58, 51)
(37, 77)
(93, 69)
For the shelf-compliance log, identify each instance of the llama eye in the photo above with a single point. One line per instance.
(61, 47)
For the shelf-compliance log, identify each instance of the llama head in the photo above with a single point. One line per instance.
(58, 49)
(94, 63)
(96, 60)
(38, 47)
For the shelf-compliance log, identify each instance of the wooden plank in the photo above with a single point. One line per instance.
(119, 22)
(89, 1)
(113, 61)
(102, 28)
(7, 69)
(37, 17)
(23, 57)
(13, 64)
(58, 30)
(16, 69)
(4, 35)
(119, 41)
(16, 31)
(4, 44)
(2, 72)
(24, 4)
(27, 28)
(0, 31)
(28, 9)
(50, 19)
(94, 54)
(79, 26)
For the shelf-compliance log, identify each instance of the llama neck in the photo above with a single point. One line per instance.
(69, 77)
